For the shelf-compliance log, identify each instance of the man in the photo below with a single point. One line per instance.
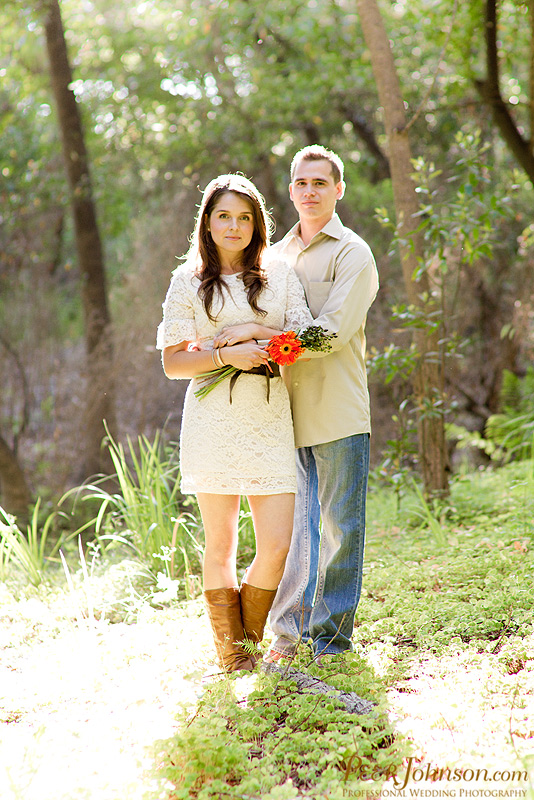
(321, 586)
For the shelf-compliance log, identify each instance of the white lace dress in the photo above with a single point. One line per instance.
(246, 446)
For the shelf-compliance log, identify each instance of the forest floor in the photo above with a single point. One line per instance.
(85, 694)
(81, 707)
(80, 704)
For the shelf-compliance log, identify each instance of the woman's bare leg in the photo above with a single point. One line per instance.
(273, 523)
(220, 513)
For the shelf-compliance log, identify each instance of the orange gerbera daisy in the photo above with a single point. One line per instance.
(285, 348)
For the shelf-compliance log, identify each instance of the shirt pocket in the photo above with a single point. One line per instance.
(317, 295)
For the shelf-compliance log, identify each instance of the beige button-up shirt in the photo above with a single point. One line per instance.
(329, 395)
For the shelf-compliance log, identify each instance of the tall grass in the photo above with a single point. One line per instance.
(147, 510)
(140, 506)
(28, 551)
(429, 517)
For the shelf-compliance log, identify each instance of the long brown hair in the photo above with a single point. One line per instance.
(203, 251)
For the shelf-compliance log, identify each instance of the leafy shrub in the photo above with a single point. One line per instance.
(513, 428)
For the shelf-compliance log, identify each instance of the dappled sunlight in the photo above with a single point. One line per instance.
(83, 700)
(470, 709)
(79, 707)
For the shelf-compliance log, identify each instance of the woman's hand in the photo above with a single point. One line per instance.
(235, 334)
(245, 356)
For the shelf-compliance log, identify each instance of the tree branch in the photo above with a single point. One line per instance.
(307, 683)
(361, 127)
(490, 92)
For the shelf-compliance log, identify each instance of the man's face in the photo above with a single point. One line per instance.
(313, 190)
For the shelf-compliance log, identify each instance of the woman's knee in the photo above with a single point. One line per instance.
(220, 552)
(275, 551)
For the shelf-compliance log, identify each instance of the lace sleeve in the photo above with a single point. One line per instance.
(178, 324)
(297, 313)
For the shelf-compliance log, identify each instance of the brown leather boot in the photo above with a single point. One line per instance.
(255, 606)
(224, 611)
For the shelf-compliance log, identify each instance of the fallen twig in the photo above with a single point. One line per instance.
(308, 683)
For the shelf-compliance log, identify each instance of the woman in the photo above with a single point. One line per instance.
(236, 440)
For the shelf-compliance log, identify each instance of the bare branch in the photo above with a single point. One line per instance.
(309, 684)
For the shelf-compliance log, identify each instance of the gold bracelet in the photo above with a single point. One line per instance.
(220, 359)
(216, 358)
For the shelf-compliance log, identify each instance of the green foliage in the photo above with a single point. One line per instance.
(470, 578)
(146, 510)
(28, 551)
(464, 439)
(394, 361)
(459, 226)
(513, 428)
(396, 469)
(429, 516)
(167, 90)
(526, 239)
(282, 743)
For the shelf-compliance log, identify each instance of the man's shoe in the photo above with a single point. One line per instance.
(273, 657)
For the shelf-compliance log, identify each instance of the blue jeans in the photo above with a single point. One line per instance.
(322, 581)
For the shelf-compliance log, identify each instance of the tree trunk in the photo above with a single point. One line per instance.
(14, 491)
(531, 74)
(428, 380)
(15, 495)
(100, 396)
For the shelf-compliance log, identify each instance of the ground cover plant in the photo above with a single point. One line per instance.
(453, 609)
(108, 670)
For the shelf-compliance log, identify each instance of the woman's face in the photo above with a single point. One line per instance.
(231, 224)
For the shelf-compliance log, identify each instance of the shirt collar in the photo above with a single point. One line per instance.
(333, 228)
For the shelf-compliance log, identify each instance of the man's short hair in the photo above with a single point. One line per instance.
(316, 152)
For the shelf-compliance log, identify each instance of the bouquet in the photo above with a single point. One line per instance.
(284, 349)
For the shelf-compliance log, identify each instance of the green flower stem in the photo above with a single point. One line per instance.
(209, 380)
